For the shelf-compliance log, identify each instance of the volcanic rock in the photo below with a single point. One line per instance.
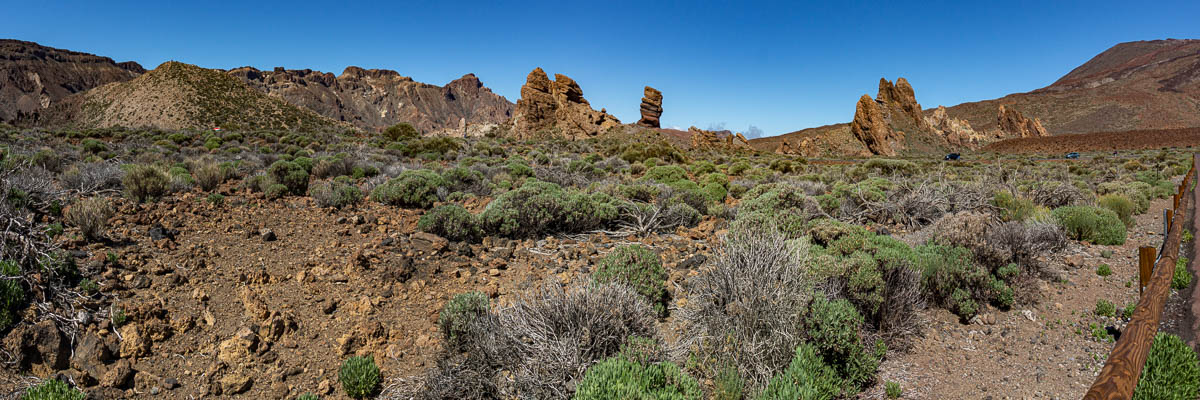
(702, 139)
(651, 108)
(557, 108)
(957, 132)
(870, 126)
(901, 96)
(1014, 124)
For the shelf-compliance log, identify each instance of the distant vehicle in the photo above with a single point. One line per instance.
(1072, 155)
(951, 157)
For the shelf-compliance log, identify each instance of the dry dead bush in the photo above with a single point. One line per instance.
(92, 177)
(746, 309)
(540, 346)
(208, 176)
(1058, 194)
(996, 244)
(90, 215)
(898, 318)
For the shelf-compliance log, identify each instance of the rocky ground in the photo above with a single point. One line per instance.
(264, 299)
(1044, 350)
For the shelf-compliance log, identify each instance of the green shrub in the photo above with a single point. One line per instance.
(666, 174)
(308, 396)
(1093, 224)
(53, 389)
(400, 131)
(216, 199)
(949, 276)
(624, 378)
(893, 390)
(456, 317)
(638, 267)
(1182, 278)
(1105, 308)
(1104, 270)
(1120, 205)
(145, 182)
(451, 221)
(291, 175)
(413, 188)
(335, 194)
(1172, 371)
(11, 294)
(808, 377)
(538, 208)
(209, 176)
(834, 331)
(1012, 208)
(359, 377)
(275, 191)
(728, 385)
(518, 169)
(93, 146)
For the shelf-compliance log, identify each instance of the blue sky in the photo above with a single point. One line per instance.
(779, 66)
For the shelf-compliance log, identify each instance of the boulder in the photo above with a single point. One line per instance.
(651, 108)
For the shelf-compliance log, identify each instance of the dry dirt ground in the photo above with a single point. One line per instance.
(222, 308)
(1044, 350)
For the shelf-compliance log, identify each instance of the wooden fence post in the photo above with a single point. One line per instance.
(1145, 266)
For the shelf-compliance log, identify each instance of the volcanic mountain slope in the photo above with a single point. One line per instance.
(376, 98)
(1131, 86)
(33, 77)
(182, 96)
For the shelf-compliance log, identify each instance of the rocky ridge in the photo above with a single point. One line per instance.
(376, 98)
(34, 77)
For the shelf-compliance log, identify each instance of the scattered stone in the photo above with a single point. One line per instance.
(235, 383)
(158, 232)
(119, 375)
(237, 351)
(267, 235)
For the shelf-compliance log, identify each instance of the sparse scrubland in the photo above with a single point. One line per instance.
(808, 275)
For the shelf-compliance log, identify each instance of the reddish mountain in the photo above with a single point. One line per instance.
(1131, 86)
(33, 77)
(376, 98)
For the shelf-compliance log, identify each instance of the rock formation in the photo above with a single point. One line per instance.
(803, 147)
(1014, 124)
(557, 108)
(871, 127)
(651, 108)
(376, 98)
(702, 139)
(900, 96)
(34, 77)
(957, 132)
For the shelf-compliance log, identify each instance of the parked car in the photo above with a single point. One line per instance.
(1072, 155)
(951, 157)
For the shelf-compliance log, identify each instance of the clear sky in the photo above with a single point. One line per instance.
(779, 66)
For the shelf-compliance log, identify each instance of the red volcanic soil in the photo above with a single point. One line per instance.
(1101, 141)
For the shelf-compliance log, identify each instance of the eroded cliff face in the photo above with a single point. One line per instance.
(34, 77)
(557, 108)
(717, 140)
(376, 98)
